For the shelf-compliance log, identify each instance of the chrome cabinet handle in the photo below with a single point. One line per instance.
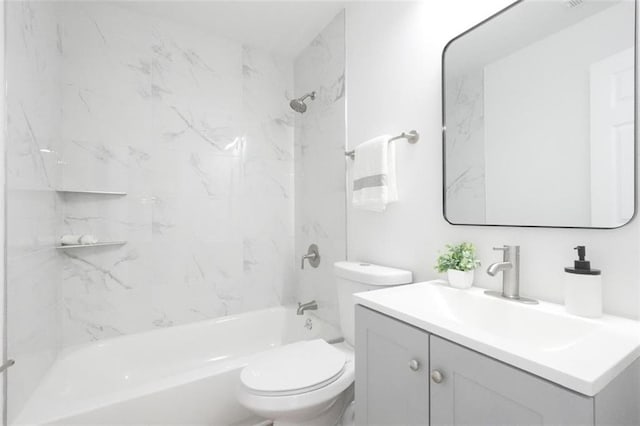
(6, 365)
(414, 365)
(437, 376)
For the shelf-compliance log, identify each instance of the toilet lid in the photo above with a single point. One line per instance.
(294, 368)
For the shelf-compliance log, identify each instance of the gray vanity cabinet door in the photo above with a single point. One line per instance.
(478, 390)
(392, 371)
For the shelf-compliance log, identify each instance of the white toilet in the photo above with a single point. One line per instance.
(310, 383)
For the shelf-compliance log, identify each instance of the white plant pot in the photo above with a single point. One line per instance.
(460, 279)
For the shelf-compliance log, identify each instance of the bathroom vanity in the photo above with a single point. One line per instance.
(430, 354)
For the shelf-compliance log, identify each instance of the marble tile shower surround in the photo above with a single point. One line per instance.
(32, 207)
(320, 165)
(196, 129)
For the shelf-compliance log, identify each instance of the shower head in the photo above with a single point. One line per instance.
(298, 105)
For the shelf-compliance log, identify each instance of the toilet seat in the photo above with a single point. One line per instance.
(294, 369)
(309, 404)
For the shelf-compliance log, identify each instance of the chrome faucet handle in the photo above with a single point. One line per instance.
(509, 252)
(313, 255)
(506, 248)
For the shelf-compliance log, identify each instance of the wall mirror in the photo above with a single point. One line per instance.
(539, 116)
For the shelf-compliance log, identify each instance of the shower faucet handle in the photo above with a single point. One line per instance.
(313, 255)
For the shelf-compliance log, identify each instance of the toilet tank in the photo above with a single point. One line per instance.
(355, 277)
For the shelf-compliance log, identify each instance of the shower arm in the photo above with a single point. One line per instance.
(311, 95)
(6, 365)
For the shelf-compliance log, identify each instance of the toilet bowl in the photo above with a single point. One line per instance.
(310, 383)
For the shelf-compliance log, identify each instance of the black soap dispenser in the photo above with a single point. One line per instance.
(583, 287)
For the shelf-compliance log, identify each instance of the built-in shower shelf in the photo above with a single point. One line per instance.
(81, 191)
(101, 244)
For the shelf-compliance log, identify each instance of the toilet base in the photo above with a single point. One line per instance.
(331, 416)
(349, 416)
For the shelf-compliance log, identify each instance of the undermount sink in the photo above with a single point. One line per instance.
(579, 353)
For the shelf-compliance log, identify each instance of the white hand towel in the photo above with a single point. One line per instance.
(70, 240)
(374, 174)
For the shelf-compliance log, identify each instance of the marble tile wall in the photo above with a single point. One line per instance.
(196, 129)
(320, 165)
(33, 207)
(267, 200)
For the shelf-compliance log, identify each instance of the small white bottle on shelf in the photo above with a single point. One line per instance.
(583, 288)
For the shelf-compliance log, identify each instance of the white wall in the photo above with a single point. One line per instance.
(393, 85)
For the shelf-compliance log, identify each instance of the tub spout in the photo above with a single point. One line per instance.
(309, 306)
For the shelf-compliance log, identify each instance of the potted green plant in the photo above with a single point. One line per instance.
(459, 261)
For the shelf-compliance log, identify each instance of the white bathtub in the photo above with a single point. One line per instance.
(180, 375)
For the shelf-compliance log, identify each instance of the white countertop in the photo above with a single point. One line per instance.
(578, 353)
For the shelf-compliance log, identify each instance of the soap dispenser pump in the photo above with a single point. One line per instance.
(583, 287)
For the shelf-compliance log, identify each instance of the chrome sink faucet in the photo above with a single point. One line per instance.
(510, 268)
(309, 306)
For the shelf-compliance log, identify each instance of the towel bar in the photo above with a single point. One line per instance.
(411, 137)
